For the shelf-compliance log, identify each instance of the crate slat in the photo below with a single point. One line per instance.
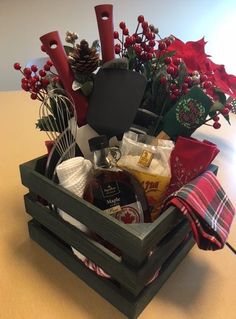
(133, 279)
(129, 305)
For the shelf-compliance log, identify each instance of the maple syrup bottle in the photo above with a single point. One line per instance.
(113, 190)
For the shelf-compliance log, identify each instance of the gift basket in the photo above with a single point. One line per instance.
(124, 191)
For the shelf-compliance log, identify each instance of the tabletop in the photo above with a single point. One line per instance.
(34, 285)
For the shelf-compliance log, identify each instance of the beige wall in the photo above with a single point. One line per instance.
(23, 22)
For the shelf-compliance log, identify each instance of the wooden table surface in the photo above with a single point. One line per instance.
(33, 285)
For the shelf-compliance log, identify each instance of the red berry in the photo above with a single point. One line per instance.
(188, 80)
(163, 80)
(125, 31)
(145, 25)
(185, 85)
(27, 71)
(173, 97)
(216, 118)
(168, 60)
(176, 92)
(28, 76)
(129, 40)
(176, 61)
(122, 25)
(162, 45)
(44, 82)
(149, 56)
(36, 77)
(216, 125)
(33, 96)
(185, 90)
(143, 56)
(224, 111)
(17, 66)
(229, 106)
(34, 68)
(147, 48)
(46, 67)
(149, 35)
(49, 62)
(116, 35)
(152, 43)
(167, 42)
(138, 49)
(207, 84)
(25, 86)
(138, 39)
(170, 70)
(140, 19)
(117, 48)
(203, 77)
(173, 86)
(42, 73)
(24, 80)
(33, 80)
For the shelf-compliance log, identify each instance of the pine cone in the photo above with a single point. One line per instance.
(83, 59)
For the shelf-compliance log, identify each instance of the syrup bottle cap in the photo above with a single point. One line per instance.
(98, 143)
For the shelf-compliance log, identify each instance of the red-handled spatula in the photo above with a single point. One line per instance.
(117, 93)
(54, 48)
(104, 14)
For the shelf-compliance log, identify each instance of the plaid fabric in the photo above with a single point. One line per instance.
(208, 209)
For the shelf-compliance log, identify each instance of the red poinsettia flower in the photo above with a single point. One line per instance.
(194, 56)
(192, 53)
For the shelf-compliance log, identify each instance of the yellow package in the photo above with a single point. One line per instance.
(149, 164)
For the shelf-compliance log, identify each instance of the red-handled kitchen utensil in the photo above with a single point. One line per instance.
(117, 93)
(104, 14)
(54, 48)
(115, 99)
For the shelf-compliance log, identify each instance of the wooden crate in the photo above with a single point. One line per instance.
(169, 238)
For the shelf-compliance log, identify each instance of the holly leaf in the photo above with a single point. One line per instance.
(87, 88)
(165, 55)
(182, 73)
(221, 95)
(96, 45)
(68, 49)
(216, 106)
(47, 123)
(227, 118)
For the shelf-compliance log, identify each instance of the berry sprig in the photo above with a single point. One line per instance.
(216, 117)
(142, 44)
(36, 80)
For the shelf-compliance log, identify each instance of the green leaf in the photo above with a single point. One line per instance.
(221, 95)
(216, 106)
(96, 45)
(87, 88)
(68, 49)
(47, 123)
(227, 118)
(165, 55)
(182, 73)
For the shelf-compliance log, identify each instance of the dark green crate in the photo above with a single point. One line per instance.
(166, 238)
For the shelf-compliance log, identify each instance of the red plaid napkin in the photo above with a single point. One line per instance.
(208, 209)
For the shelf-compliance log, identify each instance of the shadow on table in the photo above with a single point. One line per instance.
(185, 285)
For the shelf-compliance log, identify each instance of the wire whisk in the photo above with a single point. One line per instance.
(58, 119)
